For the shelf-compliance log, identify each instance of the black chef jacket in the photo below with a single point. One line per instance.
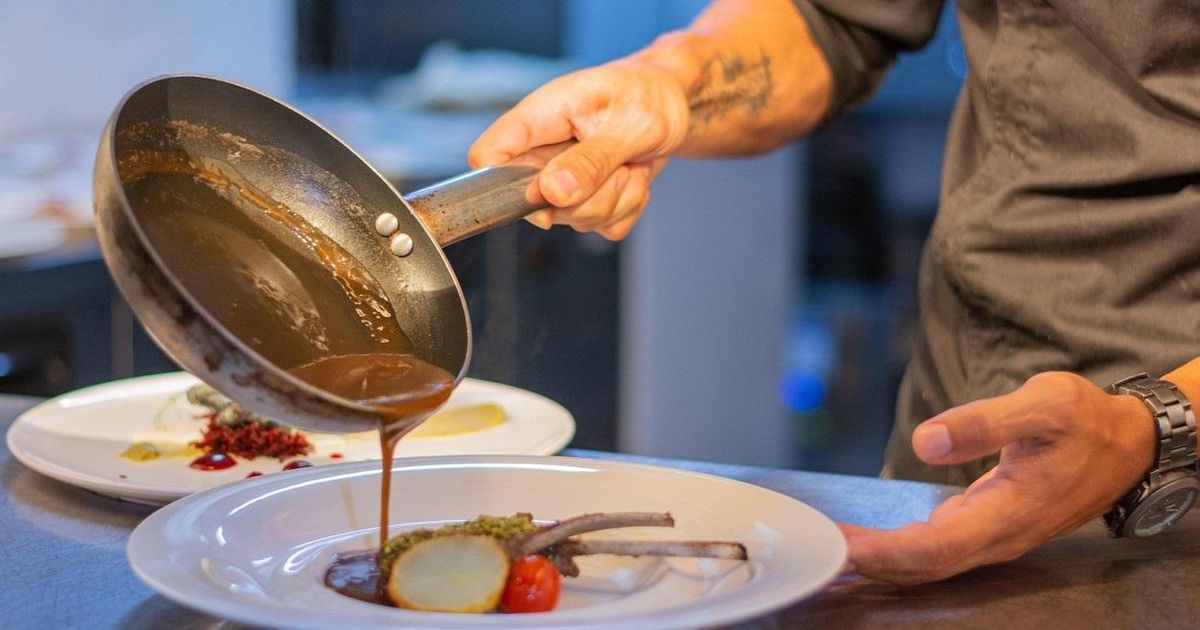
(1068, 233)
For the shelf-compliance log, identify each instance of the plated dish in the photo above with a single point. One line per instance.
(257, 552)
(78, 437)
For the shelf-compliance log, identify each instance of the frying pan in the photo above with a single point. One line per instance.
(191, 180)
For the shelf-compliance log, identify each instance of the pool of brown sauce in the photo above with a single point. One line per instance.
(358, 575)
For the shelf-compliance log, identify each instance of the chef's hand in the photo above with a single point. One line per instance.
(1068, 452)
(627, 115)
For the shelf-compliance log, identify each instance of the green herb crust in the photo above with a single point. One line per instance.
(502, 528)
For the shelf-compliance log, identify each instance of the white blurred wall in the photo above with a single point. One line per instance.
(64, 64)
(707, 292)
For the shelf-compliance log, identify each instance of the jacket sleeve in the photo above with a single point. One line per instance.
(860, 40)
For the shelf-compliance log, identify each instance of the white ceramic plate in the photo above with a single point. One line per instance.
(256, 552)
(77, 437)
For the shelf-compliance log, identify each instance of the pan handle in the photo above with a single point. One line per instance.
(480, 200)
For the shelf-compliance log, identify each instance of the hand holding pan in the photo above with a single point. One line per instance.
(250, 240)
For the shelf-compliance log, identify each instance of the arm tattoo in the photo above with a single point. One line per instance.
(727, 83)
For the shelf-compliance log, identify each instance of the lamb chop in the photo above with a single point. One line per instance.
(512, 563)
(558, 542)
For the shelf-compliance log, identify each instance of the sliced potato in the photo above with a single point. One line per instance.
(456, 573)
(460, 420)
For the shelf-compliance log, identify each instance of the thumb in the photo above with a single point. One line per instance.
(980, 428)
(577, 173)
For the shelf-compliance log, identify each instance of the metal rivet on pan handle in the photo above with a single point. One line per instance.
(402, 244)
(386, 224)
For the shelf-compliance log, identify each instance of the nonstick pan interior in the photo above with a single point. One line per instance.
(263, 222)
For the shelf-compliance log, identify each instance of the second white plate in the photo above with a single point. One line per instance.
(78, 437)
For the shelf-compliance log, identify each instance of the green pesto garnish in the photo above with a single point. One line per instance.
(501, 528)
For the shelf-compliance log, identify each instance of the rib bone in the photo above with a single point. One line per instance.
(565, 552)
(549, 536)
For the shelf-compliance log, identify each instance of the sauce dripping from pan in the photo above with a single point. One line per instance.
(294, 294)
(402, 388)
(405, 390)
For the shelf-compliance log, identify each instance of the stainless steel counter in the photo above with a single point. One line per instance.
(62, 553)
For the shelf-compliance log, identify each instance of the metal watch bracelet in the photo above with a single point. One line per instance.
(1173, 414)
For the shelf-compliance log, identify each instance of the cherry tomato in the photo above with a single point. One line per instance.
(533, 586)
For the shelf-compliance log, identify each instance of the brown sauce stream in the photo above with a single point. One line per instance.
(405, 391)
(402, 388)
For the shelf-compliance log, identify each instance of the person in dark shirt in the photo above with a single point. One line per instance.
(1061, 258)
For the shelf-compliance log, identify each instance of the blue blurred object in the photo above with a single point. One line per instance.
(809, 363)
(802, 392)
(925, 82)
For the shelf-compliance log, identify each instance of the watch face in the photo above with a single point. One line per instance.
(1161, 509)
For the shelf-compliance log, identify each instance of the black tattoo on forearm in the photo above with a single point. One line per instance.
(727, 83)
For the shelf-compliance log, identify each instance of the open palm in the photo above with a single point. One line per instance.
(1068, 452)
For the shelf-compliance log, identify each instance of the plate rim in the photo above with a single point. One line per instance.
(774, 599)
(157, 496)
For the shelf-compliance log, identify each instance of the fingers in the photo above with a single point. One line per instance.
(579, 172)
(909, 555)
(594, 185)
(1060, 467)
(614, 208)
(611, 200)
(542, 218)
(968, 432)
(963, 533)
(1033, 412)
(620, 229)
(626, 118)
(632, 203)
(536, 120)
(552, 114)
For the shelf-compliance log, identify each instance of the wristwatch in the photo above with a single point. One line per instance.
(1171, 487)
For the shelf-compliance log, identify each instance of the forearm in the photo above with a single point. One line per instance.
(754, 79)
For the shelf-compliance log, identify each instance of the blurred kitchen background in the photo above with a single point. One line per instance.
(760, 313)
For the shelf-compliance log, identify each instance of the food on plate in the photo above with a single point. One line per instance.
(252, 438)
(224, 409)
(149, 451)
(213, 461)
(506, 563)
(461, 420)
(455, 573)
(233, 431)
(533, 586)
(141, 452)
(453, 421)
(230, 433)
(500, 528)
